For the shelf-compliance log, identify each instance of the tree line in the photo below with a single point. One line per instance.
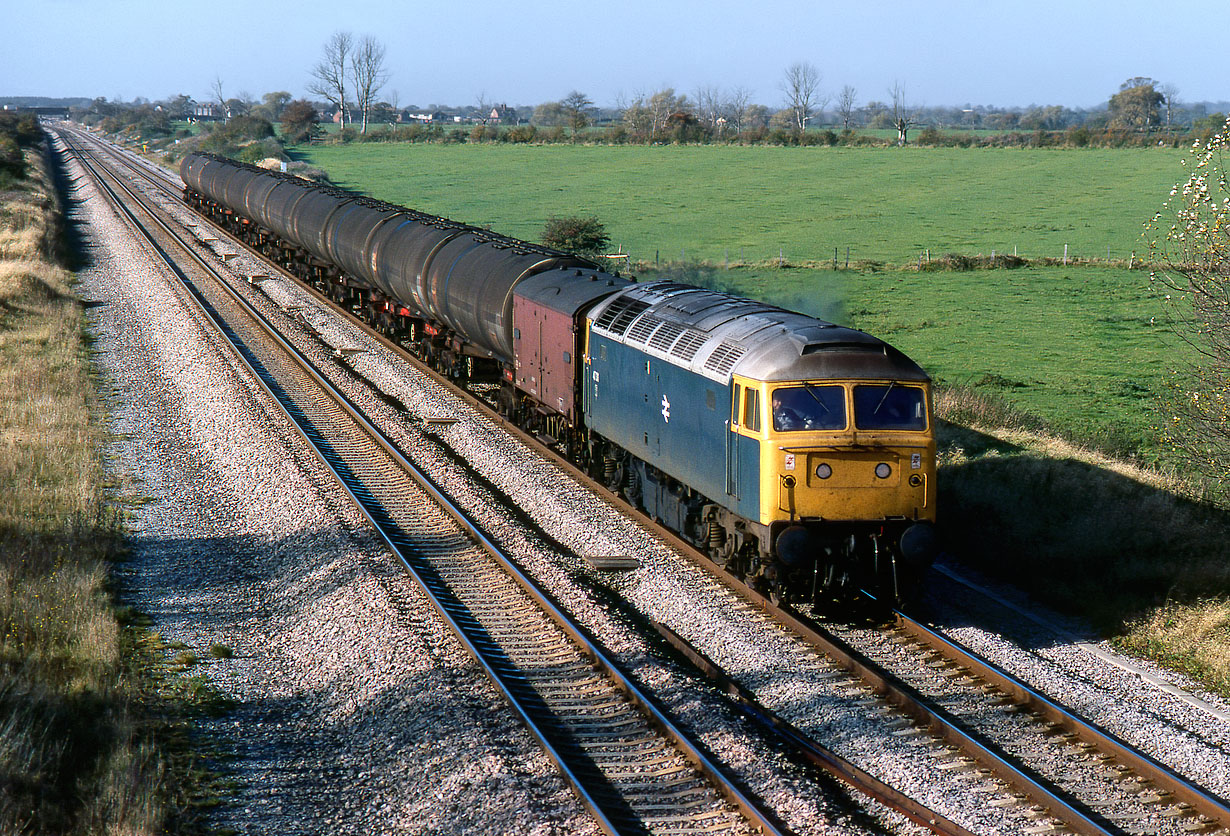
(351, 75)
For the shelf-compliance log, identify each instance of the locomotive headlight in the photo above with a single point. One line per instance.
(823, 471)
(883, 470)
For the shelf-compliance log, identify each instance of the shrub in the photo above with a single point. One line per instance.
(1078, 136)
(263, 150)
(520, 133)
(299, 122)
(583, 236)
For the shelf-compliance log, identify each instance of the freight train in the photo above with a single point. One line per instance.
(797, 454)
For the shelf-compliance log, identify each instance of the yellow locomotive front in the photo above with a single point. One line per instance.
(847, 482)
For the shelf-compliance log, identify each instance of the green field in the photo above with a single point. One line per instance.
(750, 203)
(1084, 347)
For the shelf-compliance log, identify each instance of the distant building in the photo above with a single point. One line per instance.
(503, 114)
(424, 118)
(210, 113)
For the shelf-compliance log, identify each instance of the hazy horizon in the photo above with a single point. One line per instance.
(1008, 55)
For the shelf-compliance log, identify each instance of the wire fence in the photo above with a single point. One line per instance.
(852, 258)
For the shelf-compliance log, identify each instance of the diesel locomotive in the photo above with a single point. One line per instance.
(798, 454)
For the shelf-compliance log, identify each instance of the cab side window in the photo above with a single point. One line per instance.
(751, 409)
(734, 410)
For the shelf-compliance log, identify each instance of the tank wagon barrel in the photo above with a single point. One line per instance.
(442, 271)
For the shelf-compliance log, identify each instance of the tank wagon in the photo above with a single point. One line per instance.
(796, 453)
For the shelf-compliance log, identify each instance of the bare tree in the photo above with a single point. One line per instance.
(1170, 93)
(367, 67)
(661, 105)
(902, 117)
(802, 88)
(216, 87)
(482, 106)
(709, 106)
(845, 105)
(329, 74)
(576, 107)
(735, 106)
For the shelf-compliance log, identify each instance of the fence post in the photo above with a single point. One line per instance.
(834, 258)
(1065, 255)
(847, 258)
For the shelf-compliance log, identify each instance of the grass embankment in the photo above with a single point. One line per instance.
(1129, 549)
(1027, 356)
(86, 704)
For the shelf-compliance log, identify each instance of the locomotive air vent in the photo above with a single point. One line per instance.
(689, 344)
(643, 327)
(665, 336)
(616, 318)
(724, 357)
(865, 348)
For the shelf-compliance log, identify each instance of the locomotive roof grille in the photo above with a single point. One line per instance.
(621, 323)
(724, 357)
(644, 327)
(688, 344)
(665, 336)
(616, 318)
(865, 348)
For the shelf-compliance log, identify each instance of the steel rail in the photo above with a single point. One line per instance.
(752, 811)
(1181, 789)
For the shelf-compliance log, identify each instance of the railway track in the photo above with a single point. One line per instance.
(1126, 793)
(628, 762)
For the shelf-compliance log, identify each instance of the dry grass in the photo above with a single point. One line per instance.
(77, 750)
(1132, 550)
(1193, 638)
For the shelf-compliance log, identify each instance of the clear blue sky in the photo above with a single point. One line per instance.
(989, 52)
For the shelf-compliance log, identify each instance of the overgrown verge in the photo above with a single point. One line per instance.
(89, 741)
(1137, 553)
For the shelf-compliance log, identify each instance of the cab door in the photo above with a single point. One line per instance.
(743, 449)
(732, 440)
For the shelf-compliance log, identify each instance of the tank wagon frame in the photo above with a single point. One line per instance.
(667, 393)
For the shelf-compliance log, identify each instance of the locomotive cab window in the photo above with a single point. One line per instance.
(734, 409)
(751, 409)
(889, 407)
(799, 408)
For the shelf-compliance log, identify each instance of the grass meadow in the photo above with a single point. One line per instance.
(750, 204)
(1052, 475)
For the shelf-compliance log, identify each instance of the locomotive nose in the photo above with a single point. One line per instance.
(796, 546)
